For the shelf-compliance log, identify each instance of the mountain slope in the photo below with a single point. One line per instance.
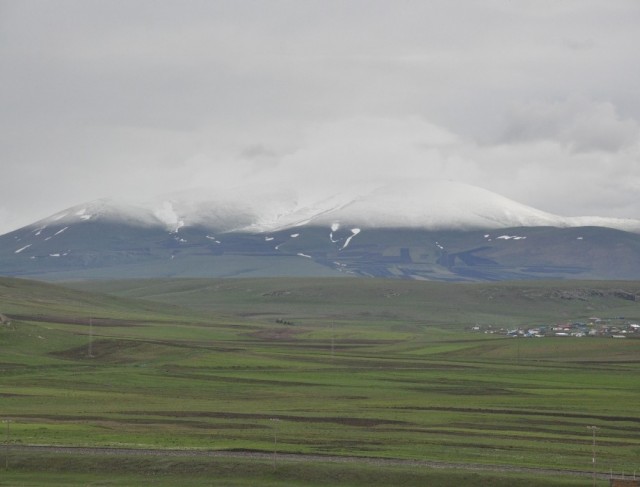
(109, 250)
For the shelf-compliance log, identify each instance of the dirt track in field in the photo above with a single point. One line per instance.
(303, 458)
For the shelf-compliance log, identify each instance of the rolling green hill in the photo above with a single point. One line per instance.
(504, 303)
(351, 368)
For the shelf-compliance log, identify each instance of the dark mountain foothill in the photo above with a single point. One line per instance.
(108, 249)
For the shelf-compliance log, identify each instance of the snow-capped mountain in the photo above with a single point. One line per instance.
(421, 205)
(435, 230)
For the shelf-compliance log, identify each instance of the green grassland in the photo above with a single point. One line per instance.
(336, 367)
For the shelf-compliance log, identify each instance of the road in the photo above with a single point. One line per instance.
(290, 457)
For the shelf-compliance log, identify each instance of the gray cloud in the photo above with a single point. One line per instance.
(133, 98)
(577, 123)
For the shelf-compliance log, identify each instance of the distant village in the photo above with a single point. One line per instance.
(594, 327)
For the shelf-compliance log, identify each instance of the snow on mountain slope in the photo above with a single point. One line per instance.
(625, 224)
(422, 204)
(437, 205)
(255, 209)
(105, 209)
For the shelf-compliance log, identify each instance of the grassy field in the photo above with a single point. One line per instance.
(66, 471)
(344, 367)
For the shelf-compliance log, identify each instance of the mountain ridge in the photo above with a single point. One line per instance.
(477, 236)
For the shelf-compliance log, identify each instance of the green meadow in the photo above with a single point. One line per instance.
(353, 368)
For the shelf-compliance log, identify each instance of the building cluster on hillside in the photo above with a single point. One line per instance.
(595, 327)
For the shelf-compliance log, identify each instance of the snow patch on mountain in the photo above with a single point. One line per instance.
(354, 232)
(22, 248)
(510, 237)
(334, 228)
(167, 215)
(83, 215)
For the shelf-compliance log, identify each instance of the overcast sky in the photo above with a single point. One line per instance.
(536, 100)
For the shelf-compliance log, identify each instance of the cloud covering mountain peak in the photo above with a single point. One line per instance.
(424, 204)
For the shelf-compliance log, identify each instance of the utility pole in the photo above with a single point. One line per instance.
(275, 441)
(593, 451)
(332, 342)
(90, 337)
(6, 456)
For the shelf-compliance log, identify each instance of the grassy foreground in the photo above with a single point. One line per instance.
(357, 368)
(62, 471)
